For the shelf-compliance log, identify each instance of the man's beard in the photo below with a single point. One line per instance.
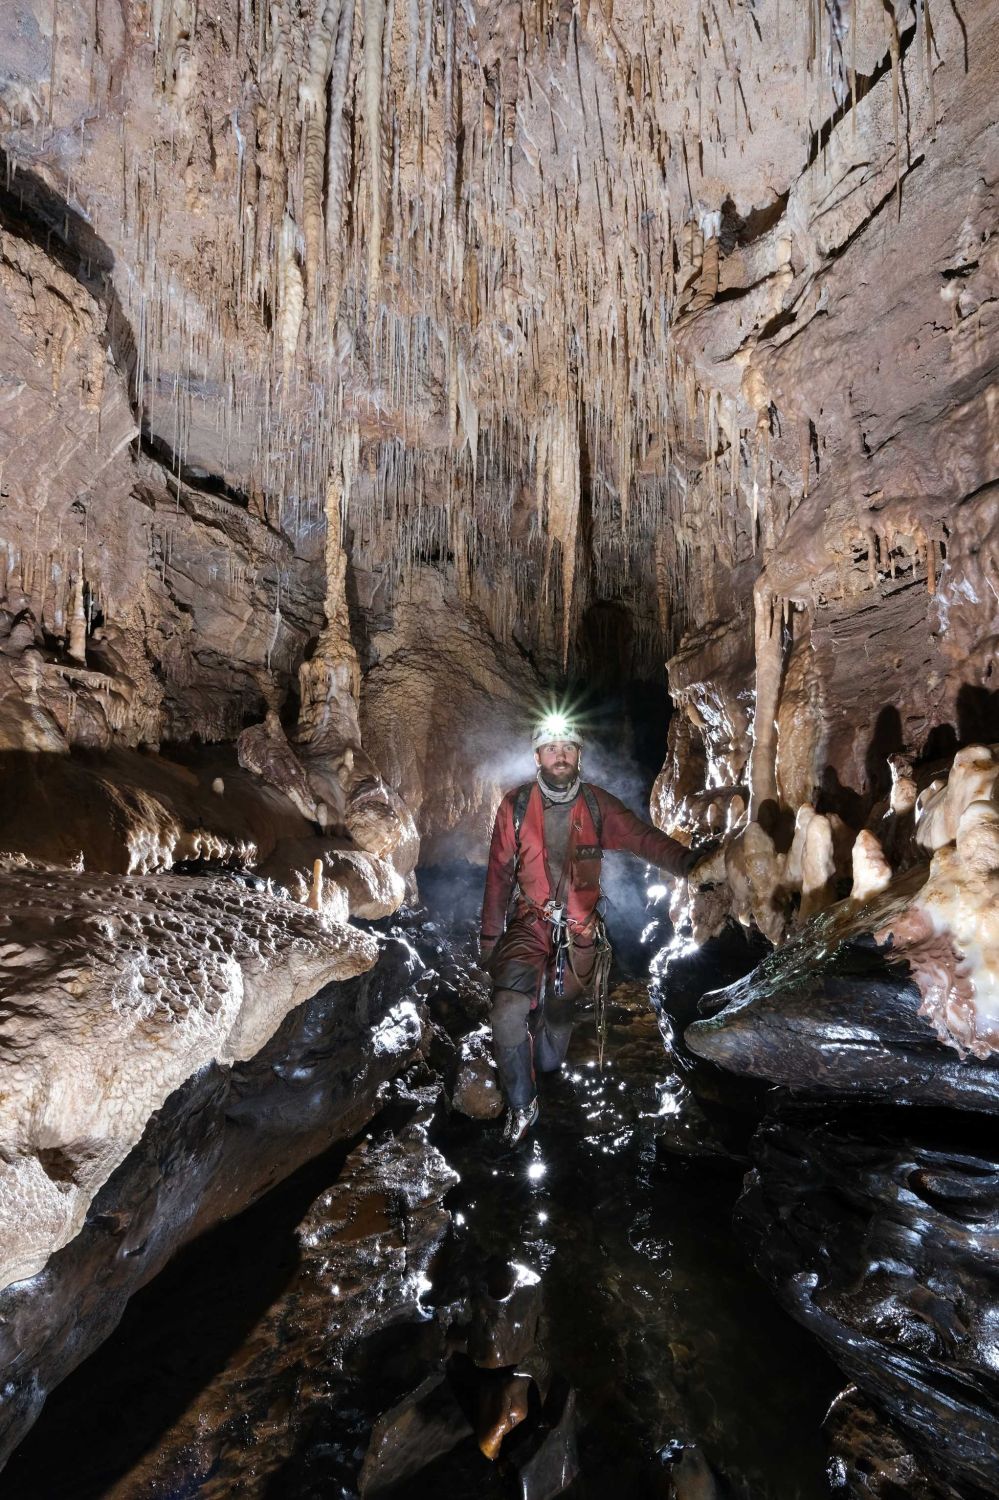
(559, 778)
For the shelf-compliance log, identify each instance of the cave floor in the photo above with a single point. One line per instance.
(227, 1374)
(652, 1309)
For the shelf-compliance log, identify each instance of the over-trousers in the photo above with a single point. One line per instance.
(532, 1025)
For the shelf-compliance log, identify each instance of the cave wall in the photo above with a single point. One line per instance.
(371, 370)
(572, 307)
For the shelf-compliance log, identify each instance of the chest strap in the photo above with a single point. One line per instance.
(524, 795)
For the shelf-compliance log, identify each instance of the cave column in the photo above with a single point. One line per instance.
(769, 664)
(344, 780)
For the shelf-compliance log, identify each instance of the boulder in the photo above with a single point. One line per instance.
(504, 1316)
(421, 1427)
(547, 1460)
(115, 992)
(840, 1021)
(476, 1089)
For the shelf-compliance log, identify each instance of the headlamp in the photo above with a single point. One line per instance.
(553, 728)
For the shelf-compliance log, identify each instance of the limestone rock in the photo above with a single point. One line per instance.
(547, 1462)
(974, 777)
(220, 1142)
(504, 1317)
(950, 936)
(503, 1405)
(476, 1089)
(354, 883)
(418, 1429)
(264, 750)
(375, 1233)
(901, 1302)
(835, 1014)
(115, 992)
(871, 1461)
(871, 871)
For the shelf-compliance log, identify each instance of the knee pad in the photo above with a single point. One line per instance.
(508, 1017)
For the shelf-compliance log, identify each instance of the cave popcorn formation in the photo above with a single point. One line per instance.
(371, 369)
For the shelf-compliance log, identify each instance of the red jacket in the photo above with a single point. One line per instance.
(620, 830)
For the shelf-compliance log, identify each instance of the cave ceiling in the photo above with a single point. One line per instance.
(570, 304)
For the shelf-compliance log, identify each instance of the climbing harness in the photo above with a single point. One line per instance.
(557, 914)
(600, 974)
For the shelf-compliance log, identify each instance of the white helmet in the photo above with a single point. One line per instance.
(554, 728)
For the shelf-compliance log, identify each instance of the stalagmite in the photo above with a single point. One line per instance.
(753, 869)
(264, 750)
(795, 855)
(978, 837)
(951, 936)
(974, 776)
(903, 785)
(871, 870)
(316, 888)
(77, 641)
(343, 780)
(818, 868)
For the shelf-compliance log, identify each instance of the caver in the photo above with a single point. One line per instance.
(542, 938)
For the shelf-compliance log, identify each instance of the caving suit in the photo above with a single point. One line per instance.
(553, 856)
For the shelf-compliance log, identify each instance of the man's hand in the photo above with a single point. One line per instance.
(700, 860)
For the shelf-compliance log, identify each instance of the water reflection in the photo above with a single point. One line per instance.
(651, 1308)
(650, 1313)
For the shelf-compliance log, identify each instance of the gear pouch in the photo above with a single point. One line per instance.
(586, 867)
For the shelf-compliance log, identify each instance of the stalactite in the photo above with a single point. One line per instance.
(77, 640)
(291, 292)
(312, 88)
(895, 48)
(561, 451)
(374, 21)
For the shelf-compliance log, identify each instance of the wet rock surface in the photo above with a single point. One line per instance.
(586, 1315)
(872, 1206)
(834, 1013)
(476, 1089)
(425, 1424)
(872, 1461)
(885, 1243)
(217, 1144)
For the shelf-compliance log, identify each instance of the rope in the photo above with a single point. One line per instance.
(602, 960)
